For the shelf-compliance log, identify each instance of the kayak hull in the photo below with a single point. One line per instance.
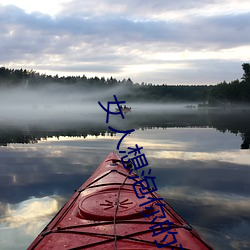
(105, 212)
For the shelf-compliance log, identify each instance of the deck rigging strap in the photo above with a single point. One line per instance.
(116, 209)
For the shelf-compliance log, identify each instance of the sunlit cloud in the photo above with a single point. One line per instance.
(46, 6)
(188, 56)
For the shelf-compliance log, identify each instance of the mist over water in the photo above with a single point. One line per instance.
(44, 103)
(61, 102)
(58, 107)
(194, 153)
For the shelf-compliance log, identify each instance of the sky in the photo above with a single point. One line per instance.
(153, 41)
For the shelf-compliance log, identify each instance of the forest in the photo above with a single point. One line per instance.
(224, 93)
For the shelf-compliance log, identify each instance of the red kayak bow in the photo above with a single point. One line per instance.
(115, 210)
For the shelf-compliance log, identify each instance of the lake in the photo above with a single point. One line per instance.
(200, 158)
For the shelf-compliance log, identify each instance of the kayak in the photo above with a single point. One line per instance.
(114, 209)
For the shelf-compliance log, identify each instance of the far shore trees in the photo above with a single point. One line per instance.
(236, 91)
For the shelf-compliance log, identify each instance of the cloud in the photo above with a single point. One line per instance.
(122, 30)
(149, 9)
(125, 40)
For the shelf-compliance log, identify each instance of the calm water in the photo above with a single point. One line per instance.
(195, 155)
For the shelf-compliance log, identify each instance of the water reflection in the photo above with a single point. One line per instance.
(199, 170)
(29, 210)
(31, 131)
(20, 222)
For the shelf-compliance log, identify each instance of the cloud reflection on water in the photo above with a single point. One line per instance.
(22, 222)
(236, 156)
(203, 177)
(29, 210)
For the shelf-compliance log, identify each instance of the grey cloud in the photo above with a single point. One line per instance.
(220, 31)
(130, 7)
(98, 40)
(202, 32)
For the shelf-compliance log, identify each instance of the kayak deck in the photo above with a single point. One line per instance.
(105, 212)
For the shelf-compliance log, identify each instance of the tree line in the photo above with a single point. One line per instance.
(236, 91)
